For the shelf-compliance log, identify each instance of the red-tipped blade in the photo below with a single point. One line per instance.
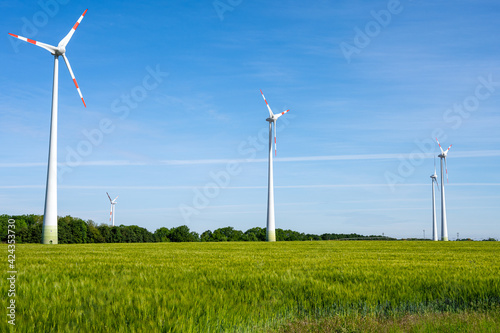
(48, 47)
(268, 107)
(74, 79)
(439, 145)
(24, 39)
(280, 114)
(67, 38)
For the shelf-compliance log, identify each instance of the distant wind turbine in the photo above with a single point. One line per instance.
(444, 225)
(49, 231)
(112, 212)
(434, 223)
(271, 233)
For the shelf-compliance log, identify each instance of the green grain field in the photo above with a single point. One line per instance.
(335, 286)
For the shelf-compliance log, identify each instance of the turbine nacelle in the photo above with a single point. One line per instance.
(60, 50)
(275, 117)
(55, 51)
(434, 180)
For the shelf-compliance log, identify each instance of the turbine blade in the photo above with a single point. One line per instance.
(439, 145)
(448, 148)
(268, 107)
(446, 168)
(50, 48)
(275, 151)
(67, 38)
(108, 197)
(280, 114)
(115, 198)
(437, 184)
(73, 77)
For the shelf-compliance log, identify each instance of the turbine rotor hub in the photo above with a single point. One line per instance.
(60, 50)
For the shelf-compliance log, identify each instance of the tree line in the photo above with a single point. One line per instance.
(73, 230)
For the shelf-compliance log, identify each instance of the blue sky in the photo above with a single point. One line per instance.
(175, 124)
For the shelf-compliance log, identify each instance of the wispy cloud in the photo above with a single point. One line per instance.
(22, 165)
(192, 187)
(114, 163)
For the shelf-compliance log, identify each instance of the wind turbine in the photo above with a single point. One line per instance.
(434, 223)
(444, 225)
(271, 233)
(49, 232)
(112, 212)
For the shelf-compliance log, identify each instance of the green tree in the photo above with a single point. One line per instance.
(218, 236)
(35, 232)
(230, 234)
(78, 230)
(20, 225)
(162, 234)
(182, 234)
(106, 234)
(128, 234)
(249, 237)
(116, 235)
(259, 233)
(64, 235)
(288, 235)
(93, 233)
(206, 236)
(195, 237)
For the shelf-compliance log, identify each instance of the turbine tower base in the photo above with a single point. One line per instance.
(49, 235)
(271, 236)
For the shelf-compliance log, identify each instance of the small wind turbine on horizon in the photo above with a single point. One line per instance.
(49, 231)
(434, 222)
(112, 212)
(444, 224)
(270, 230)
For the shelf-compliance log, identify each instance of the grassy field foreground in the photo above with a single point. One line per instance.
(233, 287)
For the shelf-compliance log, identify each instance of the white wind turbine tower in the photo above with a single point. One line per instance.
(434, 222)
(270, 230)
(444, 225)
(49, 232)
(112, 212)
